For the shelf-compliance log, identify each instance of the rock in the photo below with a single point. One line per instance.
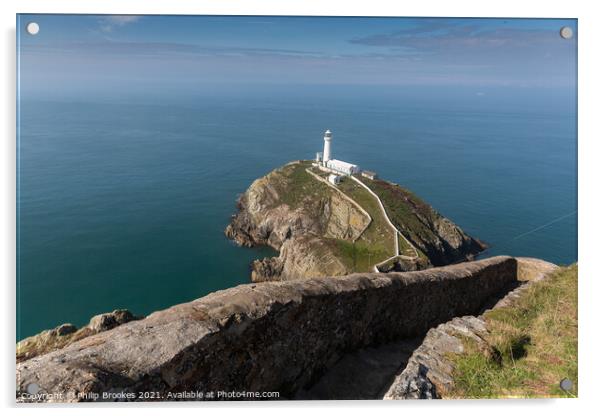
(399, 264)
(345, 220)
(429, 373)
(303, 256)
(66, 334)
(106, 321)
(65, 329)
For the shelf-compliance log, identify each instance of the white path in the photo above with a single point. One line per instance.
(396, 232)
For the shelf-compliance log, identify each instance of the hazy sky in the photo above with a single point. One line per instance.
(87, 53)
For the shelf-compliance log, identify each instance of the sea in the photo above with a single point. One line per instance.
(122, 201)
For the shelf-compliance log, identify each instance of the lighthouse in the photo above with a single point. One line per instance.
(327, 139)
(328, 164)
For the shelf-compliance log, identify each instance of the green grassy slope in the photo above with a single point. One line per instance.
(533, 345)
(402, 207)
(377, 242)
(423, 226)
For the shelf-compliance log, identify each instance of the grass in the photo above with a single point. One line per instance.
(296, 185)
(404, 248)
(533, 345)
(357, 256)
(378, 239)
(404, 209)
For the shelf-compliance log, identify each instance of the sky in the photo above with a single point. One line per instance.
(89, 54)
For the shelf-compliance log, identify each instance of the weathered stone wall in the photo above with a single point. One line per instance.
(275, 336)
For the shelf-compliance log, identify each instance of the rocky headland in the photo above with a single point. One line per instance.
(322, 230)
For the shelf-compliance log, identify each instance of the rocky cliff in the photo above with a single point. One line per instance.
(323, 231)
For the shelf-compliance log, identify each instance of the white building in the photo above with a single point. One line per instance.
(334, 179)
(338, 166)
(369, 174)
(342, 167)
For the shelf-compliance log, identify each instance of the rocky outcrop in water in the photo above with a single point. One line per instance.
(314, 227)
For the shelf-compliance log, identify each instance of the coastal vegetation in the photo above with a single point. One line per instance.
(533, 345)
(293, 185)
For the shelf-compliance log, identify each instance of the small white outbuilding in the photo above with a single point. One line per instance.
(334, 179)
(369, 174)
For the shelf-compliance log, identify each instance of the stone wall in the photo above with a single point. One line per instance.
(429, 371)
(275, 336)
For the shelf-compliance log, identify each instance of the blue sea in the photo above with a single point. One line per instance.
(122, 201)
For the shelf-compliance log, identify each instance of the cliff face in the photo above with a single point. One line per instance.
(304, 256)
(322, 231)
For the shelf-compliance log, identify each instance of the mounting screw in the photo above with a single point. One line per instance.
(33, 388)
(33, 28)
(566, 32)
(566, 384)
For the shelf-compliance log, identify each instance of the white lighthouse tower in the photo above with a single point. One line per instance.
(336, 167)
(326, 155)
